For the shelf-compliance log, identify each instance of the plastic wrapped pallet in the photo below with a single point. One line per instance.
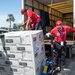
(23, 52)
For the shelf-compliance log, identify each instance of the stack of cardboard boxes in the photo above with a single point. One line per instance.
(22, 53)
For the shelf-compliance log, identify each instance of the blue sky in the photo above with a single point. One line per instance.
(10, 7)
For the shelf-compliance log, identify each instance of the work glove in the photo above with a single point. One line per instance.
(48, 34)
(21, 28)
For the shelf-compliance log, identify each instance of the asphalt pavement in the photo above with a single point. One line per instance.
(69, 68)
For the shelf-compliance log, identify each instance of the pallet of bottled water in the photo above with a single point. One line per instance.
(22, 53)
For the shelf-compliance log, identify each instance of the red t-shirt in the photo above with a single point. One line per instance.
(32, 25)
(34, 17)
(59, 38)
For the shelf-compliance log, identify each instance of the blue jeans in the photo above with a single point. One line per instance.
(37, 25)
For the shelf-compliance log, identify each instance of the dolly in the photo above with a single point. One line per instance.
(49, 68)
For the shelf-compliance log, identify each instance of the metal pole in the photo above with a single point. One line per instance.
(74, 13)
(23, 7)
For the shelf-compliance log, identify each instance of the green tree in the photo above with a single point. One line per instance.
(10, 19)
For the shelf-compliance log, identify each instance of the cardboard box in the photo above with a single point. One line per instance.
(23, 37)
(24, 63)
(29, 71)
(24, 47)
(17, 69)
(18, 37)
(14, 55)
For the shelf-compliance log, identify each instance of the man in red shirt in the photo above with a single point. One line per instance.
(60, 32)
(32, 19)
